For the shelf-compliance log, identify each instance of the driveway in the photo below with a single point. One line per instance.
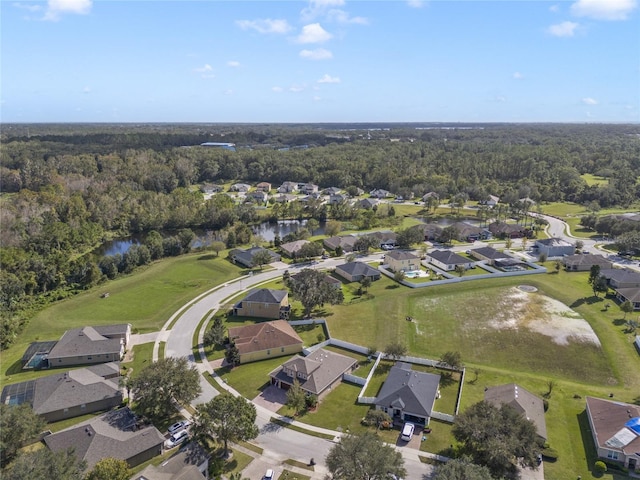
(272, 398)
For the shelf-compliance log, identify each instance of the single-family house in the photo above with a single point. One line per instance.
(554, 247)
(317, 373)
(398, 260)
(240, 187)
(245, 257)
(190, 463)
(332, 191)
(265, 340)
(338, 198)
(470, 233)
(508, 230)
(385, 238)
(621, 278)
(432, 231)
(69, 394)
(264, 187)
(285, 198)
(264, 303)
(521, 400)
(490, 201)
(367, 203)
(631, 295)
(488, 254)
(89, 345)
(258, 196)
(357, 271)
(116, 434)
(584, 262)
(210, 188)
(407, 395)
(288, 187)
(309, 188)
(430, 195)
(334, 282)
(290, 249)
(380, 193)
(346, 242)
(615, 429)
(447, 260)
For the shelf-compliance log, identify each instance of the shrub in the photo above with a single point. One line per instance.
(600, 467)
(550, 454)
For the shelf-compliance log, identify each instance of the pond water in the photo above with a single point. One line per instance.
(203, 238)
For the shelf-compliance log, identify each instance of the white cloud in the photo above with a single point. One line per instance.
(554, 8)
(340, 16)
(564, 29)
(56, 8)
(277, 89)
(317, 54)
(313, 33)
(30, 8)
(317, 8)
(296, 88)
(326, 78)
(415, 3)
(500, 99)
(233, 63)
(205, 68)
(604, 9)
(266, 25)
(589, 101)
(518, 75)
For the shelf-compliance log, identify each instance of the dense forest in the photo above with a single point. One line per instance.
(67, 188)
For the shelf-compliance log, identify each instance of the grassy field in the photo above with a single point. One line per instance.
(594, 179)
(145, 299)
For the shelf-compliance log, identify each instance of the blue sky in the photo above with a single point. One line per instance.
(320, 61)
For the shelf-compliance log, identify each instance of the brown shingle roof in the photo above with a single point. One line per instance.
(264, 336)
(608, 418)
(523, 401)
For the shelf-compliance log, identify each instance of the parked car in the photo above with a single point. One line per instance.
(269, 475)
(407, 431)
(176, 439)
(176, 427)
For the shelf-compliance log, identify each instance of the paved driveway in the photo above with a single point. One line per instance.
(272, 398)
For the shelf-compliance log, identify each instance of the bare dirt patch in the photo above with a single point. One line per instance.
(543, 315)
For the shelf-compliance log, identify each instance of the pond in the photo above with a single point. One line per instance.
(268, 231)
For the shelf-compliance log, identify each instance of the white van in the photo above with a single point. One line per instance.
(176, 439)
(407, 431)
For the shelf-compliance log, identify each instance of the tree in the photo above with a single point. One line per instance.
(332, 228)
(376, 417)
(498, 438)
(594, 273)
(410, 236)
(296, 397)
(18, 424)
(364, 243)
(232, 355)
(44, 463)
(626, 307)
(260, 258)
(216, 334)
(162, 384)
(632, 326)
(508, 242)
(579, 245)
(312, 291)
(109, 469)
(395, 350)
(399, 276)
(227, 419)
(364, 457)
(217, 247)
(460, 269)
(312, 225)
(365, 283)
(452, 359)
(600, 285)
(462, 469)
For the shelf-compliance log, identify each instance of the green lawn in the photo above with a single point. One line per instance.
(594, 179)
(250, 379)
(145, 299)
(142, 356)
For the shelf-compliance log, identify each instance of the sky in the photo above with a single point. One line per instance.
(295, 61)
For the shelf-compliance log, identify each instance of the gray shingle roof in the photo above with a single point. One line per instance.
(358, 268)
(523, 401)
(266, 295)
(414, 392)
(490, 253)
(587, 259)
(400, 255)
(89, 341)
(114, 434)
(448, 258)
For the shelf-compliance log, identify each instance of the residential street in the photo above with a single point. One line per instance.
(280, 443)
